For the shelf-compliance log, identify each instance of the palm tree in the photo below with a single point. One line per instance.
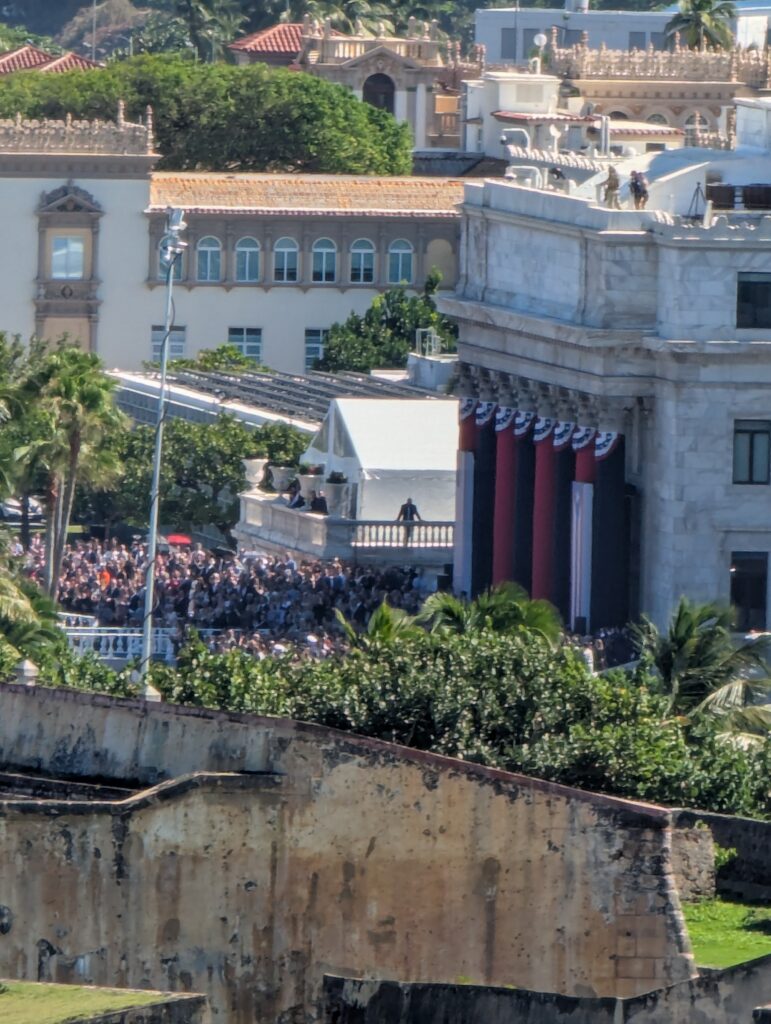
(386, 625)
(504, 609)
(702, 667)
(703, 24)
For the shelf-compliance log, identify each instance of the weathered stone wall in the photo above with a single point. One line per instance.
(693, 863)
(178, 1010)
(732, 995)
(748, 875)
(326, 853)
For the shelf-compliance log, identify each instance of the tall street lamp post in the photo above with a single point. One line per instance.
(171, 250)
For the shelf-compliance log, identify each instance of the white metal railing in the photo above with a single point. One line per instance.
(71, 619)
(116, 644)
(373, 534)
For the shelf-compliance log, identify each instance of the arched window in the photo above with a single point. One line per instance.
(247, 260)
(657, 119)
(163, 266)
(324, 260)
(362, 261)
(285, 260)
(697, 122)
(399, 262)
(209, 259)
(618, 115)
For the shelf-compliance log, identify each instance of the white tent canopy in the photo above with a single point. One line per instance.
(392, 449)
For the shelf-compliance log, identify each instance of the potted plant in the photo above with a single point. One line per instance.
(281, 477)
(338, 494)
(310, 478)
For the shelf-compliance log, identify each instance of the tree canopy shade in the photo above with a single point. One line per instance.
(216, 116)
(703, 24)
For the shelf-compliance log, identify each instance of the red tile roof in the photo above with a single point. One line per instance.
(68, 62)
(284, 38)
(30, 58)
(301, 194)
(25, 58)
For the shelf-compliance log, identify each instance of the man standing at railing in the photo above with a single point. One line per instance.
(409, 515)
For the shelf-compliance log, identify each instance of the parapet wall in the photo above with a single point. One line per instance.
(294, 851)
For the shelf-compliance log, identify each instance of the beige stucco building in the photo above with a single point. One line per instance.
(272, 260)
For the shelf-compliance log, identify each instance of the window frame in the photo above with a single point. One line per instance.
(293, 249)
(745, 278)
(68, 275)
(319, 342)
(177, 341)
(358, 274)
(752, 429)
(322, 250)
(400, 254)
(247, 251)
(244, 342)
(210, 252)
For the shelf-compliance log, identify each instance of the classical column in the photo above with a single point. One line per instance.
(484, 492)
(400, 105)
(543, 509)
(564, 469)
(610, 534)
(421, 116)
(524, 489)
(581, 529)
(464, 496)
(505, 478)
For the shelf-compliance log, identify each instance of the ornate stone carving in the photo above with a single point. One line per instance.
(76, 137)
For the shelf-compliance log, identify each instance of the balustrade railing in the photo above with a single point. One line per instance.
(373, 534)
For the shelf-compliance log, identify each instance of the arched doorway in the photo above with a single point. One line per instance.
(379, 92)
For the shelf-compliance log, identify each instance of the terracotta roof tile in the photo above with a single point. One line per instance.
(286, 38)
(297, 194)
(68, 62)
(23, 59)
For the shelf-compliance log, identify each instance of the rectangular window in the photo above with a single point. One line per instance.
(508, 44)
(315, 338)
(68, 258)
(177, 342)
(285, 265)
(324, 269)
(660, 41)
(749, 587)
(362, 266)
(752, 446)
(637, 41)
(248, 341)
(753, 300)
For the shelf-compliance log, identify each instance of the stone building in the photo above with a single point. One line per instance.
(681, 88)
(616, 371)
(416, 78)
(272, 260)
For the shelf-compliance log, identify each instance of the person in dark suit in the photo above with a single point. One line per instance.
(409, 515)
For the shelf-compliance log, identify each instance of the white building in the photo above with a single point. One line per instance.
(616, 371)
(272, 260)
(508, 33)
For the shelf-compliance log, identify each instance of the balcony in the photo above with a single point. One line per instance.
(340, 49)
(267, 525)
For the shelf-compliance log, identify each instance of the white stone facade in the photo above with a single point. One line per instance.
(627, 320)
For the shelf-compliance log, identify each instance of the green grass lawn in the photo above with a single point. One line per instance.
(26, 1003)
(725, 933)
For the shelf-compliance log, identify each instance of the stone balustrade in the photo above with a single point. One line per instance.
(120, 137)
(749, 67)
(266, 524)
(118, 644)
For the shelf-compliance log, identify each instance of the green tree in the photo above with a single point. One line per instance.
(202, 472)
(503, 609)
(385, 335)
(218, 116)
(224, 357)
(698, 660)
(703, 24)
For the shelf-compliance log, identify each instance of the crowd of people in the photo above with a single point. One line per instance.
(259, 602)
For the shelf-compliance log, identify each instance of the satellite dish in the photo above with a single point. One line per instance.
(540, 40)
